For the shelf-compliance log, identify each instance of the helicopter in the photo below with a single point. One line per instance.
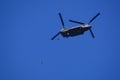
(76, 30)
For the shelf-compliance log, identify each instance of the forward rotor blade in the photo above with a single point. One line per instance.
(92, 33)
(76, 22)
(94, 17)
(55, 36)
(61, 19)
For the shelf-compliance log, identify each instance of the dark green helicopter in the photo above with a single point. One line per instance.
(76, 30)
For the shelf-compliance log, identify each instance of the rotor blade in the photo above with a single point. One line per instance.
(92, 33)
(61, 19)
(76, 22)
(55, 36)
(94, 17)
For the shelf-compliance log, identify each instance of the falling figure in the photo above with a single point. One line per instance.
(41, 61)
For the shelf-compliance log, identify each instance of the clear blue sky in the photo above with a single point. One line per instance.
(26, 27)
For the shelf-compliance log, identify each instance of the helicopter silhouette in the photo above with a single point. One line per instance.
(76, 30)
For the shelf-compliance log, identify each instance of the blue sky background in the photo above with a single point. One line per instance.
(26, 27)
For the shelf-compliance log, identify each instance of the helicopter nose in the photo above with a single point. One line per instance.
(88, 27)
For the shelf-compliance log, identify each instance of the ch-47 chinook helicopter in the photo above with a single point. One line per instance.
(77, 30)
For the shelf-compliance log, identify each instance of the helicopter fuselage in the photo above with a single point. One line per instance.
(74, 31)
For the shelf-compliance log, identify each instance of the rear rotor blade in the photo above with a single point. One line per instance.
(55, 36)
(92, 33)
(61, 19)
(76, 22)
(94, 17)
